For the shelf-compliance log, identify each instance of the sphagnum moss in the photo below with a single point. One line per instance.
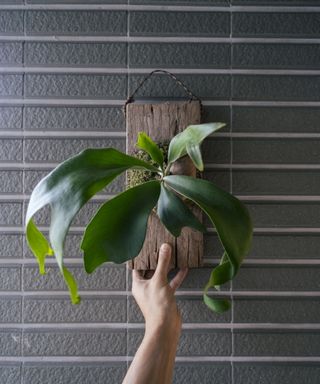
(137, 176)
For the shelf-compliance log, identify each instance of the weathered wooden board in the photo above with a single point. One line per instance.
(161, 122)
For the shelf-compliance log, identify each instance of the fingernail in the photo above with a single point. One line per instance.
(165, 248)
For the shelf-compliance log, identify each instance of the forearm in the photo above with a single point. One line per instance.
(154, 360)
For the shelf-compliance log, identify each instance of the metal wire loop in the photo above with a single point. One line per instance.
(191, 95)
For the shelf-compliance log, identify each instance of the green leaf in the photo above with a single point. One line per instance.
(189, 141)
(229, 216)
(194, 153)
(148, 145)
(174, 214)
(66, 189)
(39, 244)
(117, 231)
(216, 305)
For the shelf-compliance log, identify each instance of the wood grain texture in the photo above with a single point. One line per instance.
(161, 122)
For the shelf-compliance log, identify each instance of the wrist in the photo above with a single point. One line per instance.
(164, 329)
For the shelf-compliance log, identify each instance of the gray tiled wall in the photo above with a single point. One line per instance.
(66, 68)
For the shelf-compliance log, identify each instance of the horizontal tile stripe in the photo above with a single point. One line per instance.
(119, 70)
(162, 8)
(285, 230)
(206, 262)
(208, 166)
(158, 39)
(186, 326)
(259, 198)
(191, 359)
(66, 133)
(108, 102)
(94, 134)
(187, 293)
(117, 7)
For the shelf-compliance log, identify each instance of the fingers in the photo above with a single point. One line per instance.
(136, 275)
(178, 279)
(147, 274)
(163, 262)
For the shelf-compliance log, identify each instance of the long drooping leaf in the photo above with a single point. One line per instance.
(174, 214)
(189, 141)
(148, 145)
(231, 220)
(117, 231)
(66, 189)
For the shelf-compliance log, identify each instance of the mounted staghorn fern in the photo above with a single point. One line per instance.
(117, 231)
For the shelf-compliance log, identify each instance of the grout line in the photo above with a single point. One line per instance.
(62, 134)
(252, 359)
(275, 9)
(118, 7)
(122, 134)
(208, 166)
(163, 8)
(76, 133)
(23, 191)
(62, 102)
(53, 294)
(158, 39)
(185, 326)
(180, 359)
(127, 270)
(231, 187)
(207, 263)
(267, 230)
(134, 71)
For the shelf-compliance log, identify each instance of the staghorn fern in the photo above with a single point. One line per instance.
(117, 231)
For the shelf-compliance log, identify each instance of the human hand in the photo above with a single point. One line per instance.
(155, 296)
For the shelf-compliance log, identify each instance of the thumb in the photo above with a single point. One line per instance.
(163, 261)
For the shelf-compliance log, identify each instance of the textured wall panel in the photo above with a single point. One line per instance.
(276, 343)
(284, 246)
(11, 22)
(258, 24)
(10, 245)
(275, 181)
(10, 373)
(276, 87)
(276, 119)
(60, 310)
(277, 310)
(66, 69)
(276, 373)
(11, 310)
(74, 373)
(11, 182)
(106, 278)
(269, 151)
(179, 24)
(74, 119)
(10, 118)
(76, 86)
(74, 343)
(11, 53)
(289, 56)
(56, 150)
(179, 55)
(76, 54)
(76, 22)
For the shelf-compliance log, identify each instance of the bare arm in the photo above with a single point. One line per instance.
(154, 360)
